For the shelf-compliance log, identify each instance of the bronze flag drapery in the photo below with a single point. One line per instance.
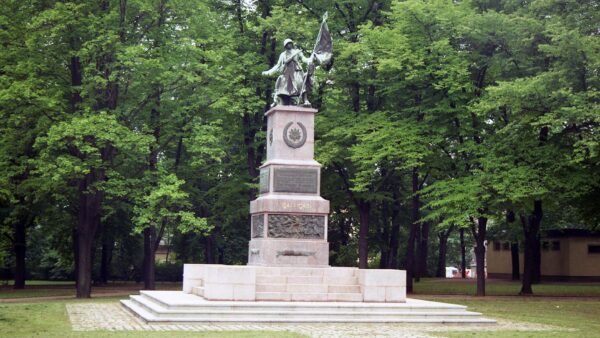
(322, 51)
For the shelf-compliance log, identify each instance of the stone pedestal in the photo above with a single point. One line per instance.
(289, 217)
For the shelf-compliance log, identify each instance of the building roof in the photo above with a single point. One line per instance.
(554, 233)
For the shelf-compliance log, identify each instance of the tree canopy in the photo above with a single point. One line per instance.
(130, 125)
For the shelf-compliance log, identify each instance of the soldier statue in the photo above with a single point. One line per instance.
(289, 87)
(293, 85)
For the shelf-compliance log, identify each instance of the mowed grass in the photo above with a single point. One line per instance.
(440, 286)
(37, 289)
(40, 282)
(50, 319)
(576, 318)
(573, 317)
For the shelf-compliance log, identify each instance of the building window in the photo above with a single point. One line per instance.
(496, 246)
(555, 246)
(545, 245)
(594, 249)
(506, 246)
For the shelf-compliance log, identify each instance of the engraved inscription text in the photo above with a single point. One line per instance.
(295, 180)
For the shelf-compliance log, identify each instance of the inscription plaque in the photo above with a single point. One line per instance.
(263, 186)
(296, 226)
(295, 180)
(258, 225)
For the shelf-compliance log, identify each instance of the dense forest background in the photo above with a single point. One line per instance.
(124, 123)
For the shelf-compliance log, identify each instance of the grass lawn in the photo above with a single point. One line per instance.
(34, 289)
(581, 316)
(50, 319)
(39, 282)
(495, 287)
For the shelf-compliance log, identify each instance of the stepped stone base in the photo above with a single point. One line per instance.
(180, 307)
(325, 284)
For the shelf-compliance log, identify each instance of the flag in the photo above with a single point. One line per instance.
(324, 46)
(323, 52)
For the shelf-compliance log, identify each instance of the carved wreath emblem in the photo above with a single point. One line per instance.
(294, 137)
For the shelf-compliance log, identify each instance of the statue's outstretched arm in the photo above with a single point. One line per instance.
(277, 68)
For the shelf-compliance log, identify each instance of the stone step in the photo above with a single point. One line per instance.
(270, 279)
(271, 287)
(273, 296)
(344, 289)
(200, 305)
(341, 272)
(304, 280)
(275, 279)
(329, 272)
(306, 288)
(291, 296)
(155, 312)
(295, 309)
(344, 297)
(341, 280)
(177, 299)
(310, 297)
(198, 291)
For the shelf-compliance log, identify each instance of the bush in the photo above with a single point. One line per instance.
(169, 272)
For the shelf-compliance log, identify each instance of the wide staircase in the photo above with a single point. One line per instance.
(295, 295)
(304, 284)
(176, 306)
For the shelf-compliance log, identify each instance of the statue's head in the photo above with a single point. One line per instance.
(288, 44)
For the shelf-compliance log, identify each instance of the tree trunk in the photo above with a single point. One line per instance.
(75, 241)
(514, 255)
(90, 202)
(149, 258)
(20, 250)
(364, 209)
(537, 258)
(527, 261)
(417, 259)
(412, 233)
(107, 248)
(463, 254)
(480, 254)
(423, 250)
(531, 228)
(443, 249)
(394, 237)
(209, 257)
(384, 237)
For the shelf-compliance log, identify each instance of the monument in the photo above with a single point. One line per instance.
(288, 277)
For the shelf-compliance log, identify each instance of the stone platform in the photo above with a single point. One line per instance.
(261, 283)
(221, 293)
(180, 307)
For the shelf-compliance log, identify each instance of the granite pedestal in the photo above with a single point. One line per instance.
(289, 217)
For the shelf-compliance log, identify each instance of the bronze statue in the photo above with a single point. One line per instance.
(289, 85)
(293, 85)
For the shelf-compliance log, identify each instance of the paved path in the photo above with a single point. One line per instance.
(113, 317)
